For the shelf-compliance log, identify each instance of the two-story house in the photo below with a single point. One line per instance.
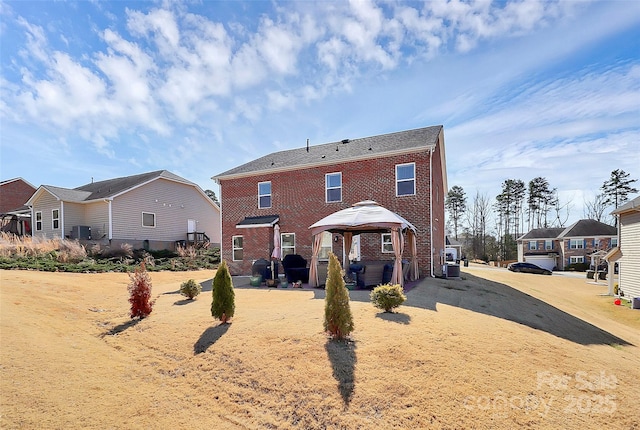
(404, 172)
(557, 248)
(628, 253)
(16, 216)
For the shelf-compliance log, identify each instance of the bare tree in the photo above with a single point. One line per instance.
(596, 208)
(478, 217)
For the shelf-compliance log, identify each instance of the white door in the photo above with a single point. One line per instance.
(191, 226)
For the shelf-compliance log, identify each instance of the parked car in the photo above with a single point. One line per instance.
(528, 268)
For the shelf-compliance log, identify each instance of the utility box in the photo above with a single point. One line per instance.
(635, 303)
(82, 232)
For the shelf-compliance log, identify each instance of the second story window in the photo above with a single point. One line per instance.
(533, 245)
(333, 186)
(576, 244)
(264, 195)
(614, 242)
(548, 244)
(406, 179)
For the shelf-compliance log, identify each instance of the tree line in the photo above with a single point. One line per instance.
(490, 228)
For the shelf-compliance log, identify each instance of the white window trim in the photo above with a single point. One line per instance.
(616, 242)
(535, 245)
(155, 223)
(282, 245)
(406, 180)
(577, 258)
(330, 236)
(264, 195)
(382, 243)
(579, 242)
(54, 219)
(38, 221)
(327, 187)
(550, 245)
(234, 249)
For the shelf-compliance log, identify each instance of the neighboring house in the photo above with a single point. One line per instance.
(629, 248)
(557, 248)
(404, 172)
(541, 247)
(16, 216)
(152, 210)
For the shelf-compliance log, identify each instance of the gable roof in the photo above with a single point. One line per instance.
(633, 205)
(8, 181)
(542, 233)
(109, 188)
(336, 152)
(588, 228)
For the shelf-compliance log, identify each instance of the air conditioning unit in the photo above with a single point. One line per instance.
(81, 232)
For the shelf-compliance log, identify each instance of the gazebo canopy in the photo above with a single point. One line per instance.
(366, 217)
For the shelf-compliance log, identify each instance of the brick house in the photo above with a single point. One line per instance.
(557, 248)
(404, 172)
(16, 216)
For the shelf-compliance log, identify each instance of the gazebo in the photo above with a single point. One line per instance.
(366, 217)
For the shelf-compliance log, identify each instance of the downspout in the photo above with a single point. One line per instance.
(110, 220)
(61, 220)
(431, 208)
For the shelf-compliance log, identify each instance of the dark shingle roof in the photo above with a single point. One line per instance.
(542, 233)
(346, 150)
(258, 220)
(588, 228)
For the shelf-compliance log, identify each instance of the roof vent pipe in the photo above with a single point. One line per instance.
(307, 145)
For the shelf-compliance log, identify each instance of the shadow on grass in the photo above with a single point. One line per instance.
(206, 286)
(395, 317)
(342, 354)
(502, 301)
(209, 337)
(183, 302)
(121, 327)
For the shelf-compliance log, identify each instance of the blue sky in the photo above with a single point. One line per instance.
(105, 89)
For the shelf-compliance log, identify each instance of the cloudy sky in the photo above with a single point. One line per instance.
(523, 88)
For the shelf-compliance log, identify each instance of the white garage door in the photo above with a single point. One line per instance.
(541, 261)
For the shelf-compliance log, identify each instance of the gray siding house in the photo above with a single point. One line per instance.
(629, 248)
(152, 210)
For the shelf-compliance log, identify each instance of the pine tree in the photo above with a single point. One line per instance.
(617, 188)
(338, 321)
(456, 204)
(223, 304)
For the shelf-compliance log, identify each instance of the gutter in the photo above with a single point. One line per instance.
(431, 208)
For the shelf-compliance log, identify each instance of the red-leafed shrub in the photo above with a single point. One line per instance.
(140, 293)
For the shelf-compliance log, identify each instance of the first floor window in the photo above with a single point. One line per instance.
(533, 245)
(406, 179)
(38, 221)
(148, 219)
(55, 219)
(264, 195)
(325, 246)
(387, 246)
(548, 244)
(333, 187)
(288, 241)
(237, 248)
(579, 259)
(576, 244)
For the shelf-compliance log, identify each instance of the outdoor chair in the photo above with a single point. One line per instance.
(262, 267)
(295, 268)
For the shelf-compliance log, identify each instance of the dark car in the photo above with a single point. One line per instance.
(528, 268)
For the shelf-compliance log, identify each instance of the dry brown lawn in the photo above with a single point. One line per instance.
(509, 351)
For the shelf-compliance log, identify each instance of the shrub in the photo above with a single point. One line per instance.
(190, 289)
(140, 293)
(577, 267)
(338, 321)
(223, 303)
(615, 289)
(387, 297)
